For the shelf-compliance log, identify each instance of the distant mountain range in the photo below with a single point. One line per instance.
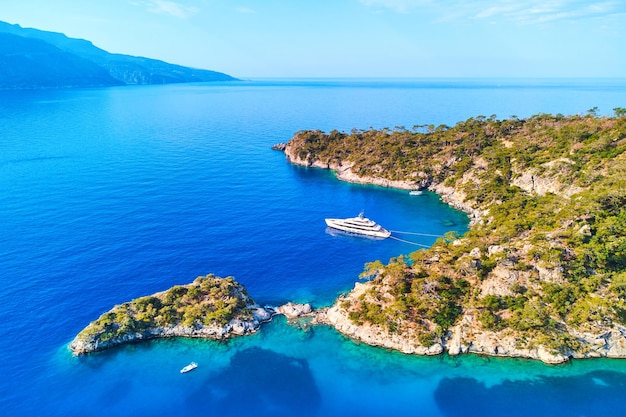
(32, 59)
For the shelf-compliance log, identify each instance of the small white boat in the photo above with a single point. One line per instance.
(189, 367)
(416, 192)
(360, 225)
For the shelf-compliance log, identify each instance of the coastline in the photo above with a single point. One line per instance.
(138, 320)
(235, 327)
(465, 337)
(343, 172)
(209, 307)
(602, 339)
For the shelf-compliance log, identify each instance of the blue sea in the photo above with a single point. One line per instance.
(110, 194)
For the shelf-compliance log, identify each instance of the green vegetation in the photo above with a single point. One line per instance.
(549, 252)
(208, 300)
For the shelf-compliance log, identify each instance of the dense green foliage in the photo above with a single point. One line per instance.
(208, 300)
(403, 293)
(549, 252)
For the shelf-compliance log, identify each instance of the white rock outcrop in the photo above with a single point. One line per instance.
(377, 336)
(238, 326)
(292, 310)
(468, 336)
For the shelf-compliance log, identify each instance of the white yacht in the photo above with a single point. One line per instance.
(189, 367)
(360, 225)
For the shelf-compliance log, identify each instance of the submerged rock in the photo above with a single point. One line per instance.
(292, 310)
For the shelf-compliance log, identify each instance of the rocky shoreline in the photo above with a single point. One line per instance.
(235, 327)
(603, 339)
(466, 337)
(599, 338)
(239, 326)
(343, 172)
(463, 338)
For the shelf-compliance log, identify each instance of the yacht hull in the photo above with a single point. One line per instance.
(348, 225)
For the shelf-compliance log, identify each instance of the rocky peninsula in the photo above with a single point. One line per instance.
(541, 273)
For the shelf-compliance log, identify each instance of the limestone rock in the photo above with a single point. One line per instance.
(235, 327)
(532, 182)
(130, 322)
(291, 310)
(499, 281)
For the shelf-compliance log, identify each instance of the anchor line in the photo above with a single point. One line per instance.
(414, 233)
(411, 243)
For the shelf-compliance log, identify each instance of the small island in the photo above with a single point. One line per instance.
(210, 307)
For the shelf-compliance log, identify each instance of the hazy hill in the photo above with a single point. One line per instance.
(31, 58)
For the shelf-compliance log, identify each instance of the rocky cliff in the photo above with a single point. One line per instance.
(468, 336)
(87, 343)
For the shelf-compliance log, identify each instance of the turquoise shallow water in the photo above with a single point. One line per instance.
(110, 194)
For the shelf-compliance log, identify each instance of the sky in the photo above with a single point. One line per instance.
(350, 38)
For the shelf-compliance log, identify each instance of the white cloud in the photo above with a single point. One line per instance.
(518, 11)
(541, 11)
(170, 8)
(245, 10)
(400, 6)
(496, 10)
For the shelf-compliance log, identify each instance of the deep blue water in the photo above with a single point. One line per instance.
(110, 194)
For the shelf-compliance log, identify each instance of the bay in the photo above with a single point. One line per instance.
(111, 194)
